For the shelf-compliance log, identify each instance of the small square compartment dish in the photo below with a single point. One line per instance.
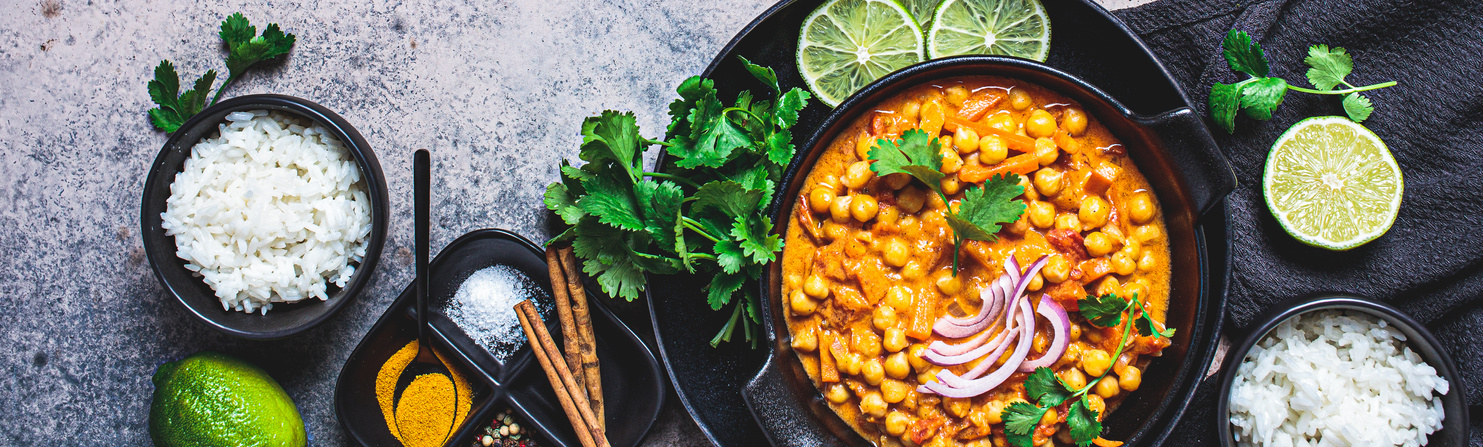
(633, 385)
(285, 319)
(1455, 423)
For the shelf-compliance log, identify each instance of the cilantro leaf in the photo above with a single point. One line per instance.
(1105, 311)
(1329, 66)
(763, 74)
(607, 255)
(559, 200)
(788, 107)
(1020, 420)
(729, 256)
(1083, 423)
(756, 243)
(1225, 99)
(236, 30)
(612, 200)
(1261, 97)
(722, 287)
(613, 136)
(1358, 107)
(1243, 54)
(175, 107)
(728, 197)
(710, 136)
(1045, 388)
(983, 210)
(914, 153)
(245, 49)
(660, 205)
(1148, 328)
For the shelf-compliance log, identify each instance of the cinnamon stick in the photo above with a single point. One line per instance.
(584, 422)
(571, 337)
(588, 346)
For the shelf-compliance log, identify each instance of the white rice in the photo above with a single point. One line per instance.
(1335, 379)
(269, 210)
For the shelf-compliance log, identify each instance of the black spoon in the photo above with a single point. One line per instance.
(427, 361)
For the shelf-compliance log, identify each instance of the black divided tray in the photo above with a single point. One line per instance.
(633, 385)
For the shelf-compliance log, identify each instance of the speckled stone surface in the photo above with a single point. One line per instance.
(496, 89)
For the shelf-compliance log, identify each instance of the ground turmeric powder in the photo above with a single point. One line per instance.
(414, 420)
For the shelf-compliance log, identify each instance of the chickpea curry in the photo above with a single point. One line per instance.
(879, 316)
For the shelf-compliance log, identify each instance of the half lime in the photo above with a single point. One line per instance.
(1018, 28)
(846, 44)
(1332, 183)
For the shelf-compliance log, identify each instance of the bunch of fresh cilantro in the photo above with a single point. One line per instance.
(981, 212)
(1260, 94)
(1048, 391)
(245, 48)
(704, 213)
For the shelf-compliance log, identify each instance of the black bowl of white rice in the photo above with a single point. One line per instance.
(264, 215)
(1338, 370)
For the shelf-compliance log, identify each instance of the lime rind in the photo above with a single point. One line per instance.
(922, 10)
(1332, 183)
(993, 27)
(847, 44)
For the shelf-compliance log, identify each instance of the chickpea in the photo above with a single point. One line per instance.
(1073, 378)
(863, 207)
(883, 317)
(951, 185)
(896, 423)
(956, 406)
(1095, 403)
(887, 214)
(992, 150)
(1042, 214)
(894, 391)
(897, 181)
(896, 366)
(1122, 264)
(1040, 342)
(873, 372)
(951, 162)
(1122, 363)
(801, 304)
(949, 284)
(867, 343)
(1132, 248)
(1057, 269)
(857, 174)
(1098, 244)
(1040, 124)
(1050, 417)
(1107, 387)
(913, 270)
(1141, 209)
(806, 340)
(946, 141)
(1093, 212)
(932, 117)
(839, 209)
(911, 199)
(994, 411)
(835, 231)
(1130, 378)
(872, 404)
(819, 199)
(1004, 122)
(837, 394)
(1147, 233)
(1095, 362)
(1074, 122)
(1068, 221)
(896, 253)
(914, 356)
(1075, 333)
(1019, 99)
(1036, 283)
(1046, 151)
(852, 364)
(900, 298)
(966, 140)
(1110, 285)
(1048, 181)
(1147, 263)
(863, 144)
(895, 339)
(1029, 188)
(816, 287)
(956, 95)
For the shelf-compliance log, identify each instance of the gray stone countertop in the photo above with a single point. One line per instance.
(497, 90)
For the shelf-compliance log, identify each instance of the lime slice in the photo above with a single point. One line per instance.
(847, 44)
(922, 10)
(1016, 28)
(1332, 183)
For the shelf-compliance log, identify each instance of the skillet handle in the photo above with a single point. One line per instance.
(783, 412)
(1197, 159)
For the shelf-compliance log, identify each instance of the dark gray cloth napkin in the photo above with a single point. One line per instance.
(1430, 264)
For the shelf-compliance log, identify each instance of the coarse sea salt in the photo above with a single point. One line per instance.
(484, 307)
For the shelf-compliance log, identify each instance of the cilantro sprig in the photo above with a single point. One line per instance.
(1047, 391)
(245, 49)
(702, 214)
(981, 212)
(1260, 94)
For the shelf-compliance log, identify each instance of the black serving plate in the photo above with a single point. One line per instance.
(1455, 425)
(197, 297)
(713, 383)
(633, 384)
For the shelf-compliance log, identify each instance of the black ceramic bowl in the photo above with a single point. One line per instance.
(198, 298)
(1454, 432)
(1175, 153)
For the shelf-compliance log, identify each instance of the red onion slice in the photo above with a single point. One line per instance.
(942, 354)
(1052, 311)
(995, 300)
(950, 385)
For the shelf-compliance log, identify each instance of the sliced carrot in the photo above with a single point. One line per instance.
(828, 373)
(1012, 140)
(1066, 142)
(923, 315)
(1020, 164)
(977, 105)
(1095, 268)
(1106, 443)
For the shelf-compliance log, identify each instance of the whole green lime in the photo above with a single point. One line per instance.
(213, 399)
